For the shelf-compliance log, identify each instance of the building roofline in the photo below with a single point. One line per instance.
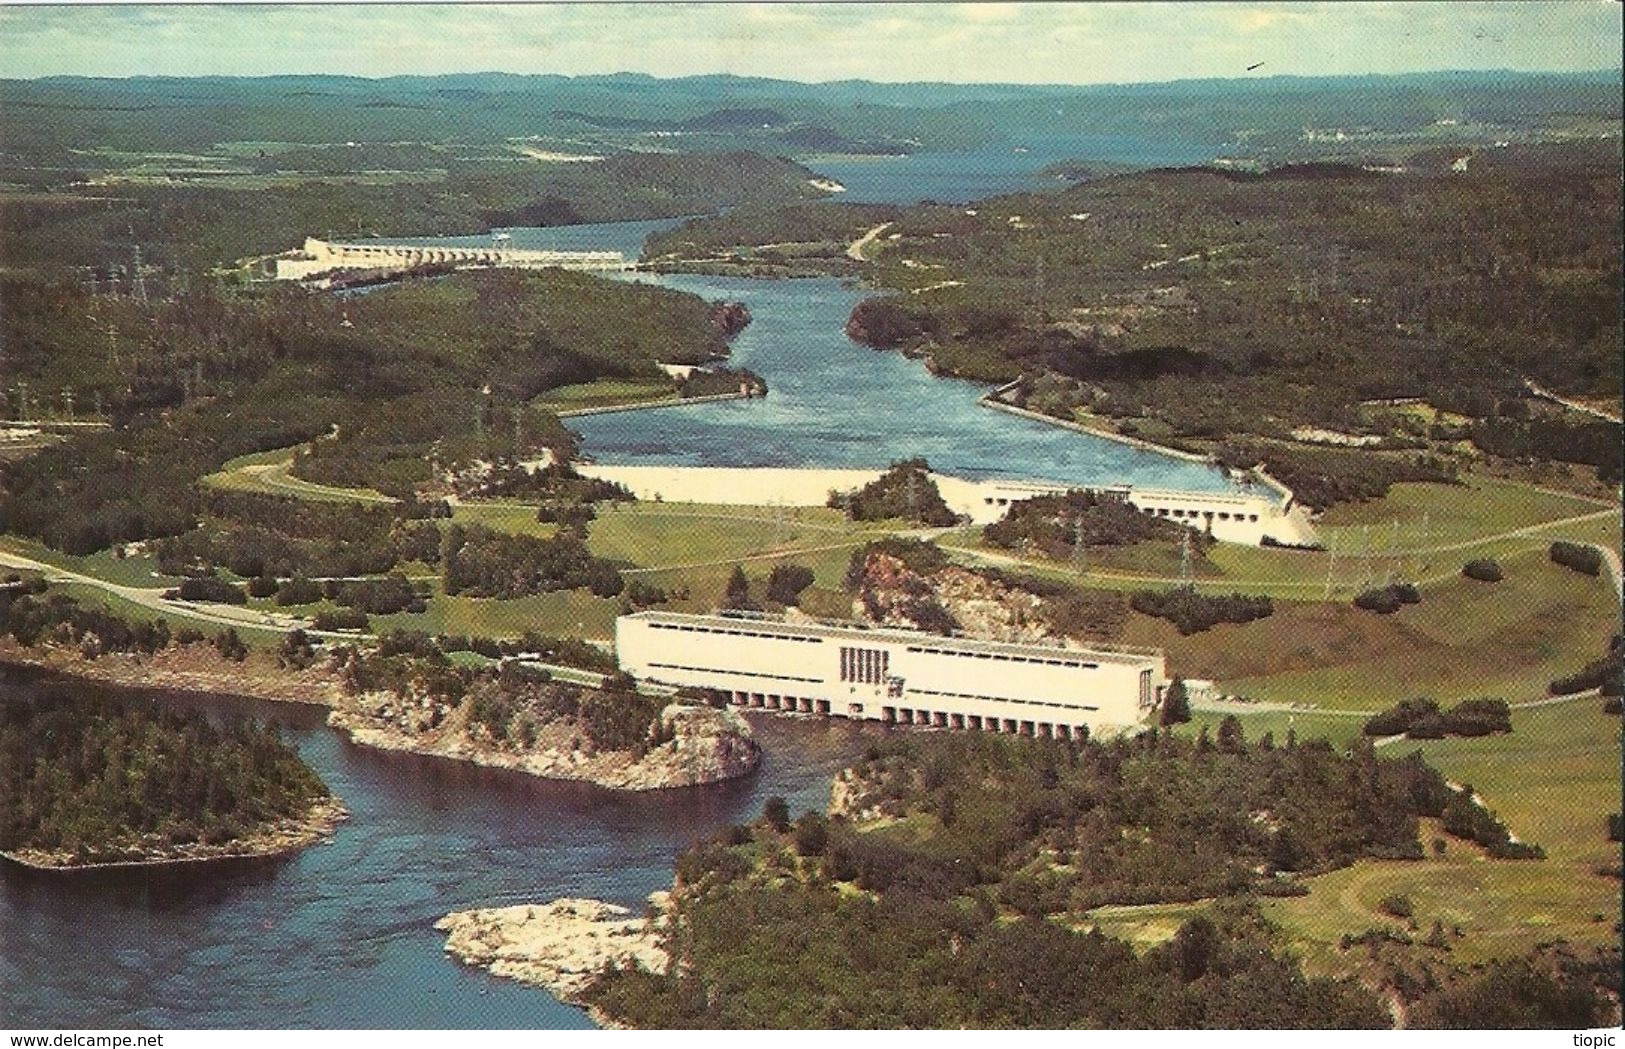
(1105, 652)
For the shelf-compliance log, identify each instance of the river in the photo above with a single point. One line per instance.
(340, 935)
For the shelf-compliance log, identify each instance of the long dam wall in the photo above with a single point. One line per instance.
(324, 256)
(1232, 517)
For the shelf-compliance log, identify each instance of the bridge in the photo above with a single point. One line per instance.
(324, 256)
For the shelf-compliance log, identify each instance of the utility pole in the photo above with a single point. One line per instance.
(112, 342)
(1185, 561)
(140, 281)
(22, 400)
(67, 401)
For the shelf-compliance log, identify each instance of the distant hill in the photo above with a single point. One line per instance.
(44, 118)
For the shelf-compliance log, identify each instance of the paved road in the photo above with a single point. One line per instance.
(1570, 403)
(855, 249)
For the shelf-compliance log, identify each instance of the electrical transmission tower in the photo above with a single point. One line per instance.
(140, 280)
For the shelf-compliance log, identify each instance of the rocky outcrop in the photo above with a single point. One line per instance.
(952, 597)
(275, 838)
(560, 946)
(706, 745)
(730, 318)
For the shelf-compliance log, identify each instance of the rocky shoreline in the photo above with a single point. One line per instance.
(707, 745)
(282, 837)
(560, 946)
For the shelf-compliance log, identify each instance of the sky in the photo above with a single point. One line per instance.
(1077, 43)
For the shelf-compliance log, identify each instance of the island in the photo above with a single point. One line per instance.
(88, 783)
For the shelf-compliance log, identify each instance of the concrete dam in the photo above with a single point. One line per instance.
(319, 257)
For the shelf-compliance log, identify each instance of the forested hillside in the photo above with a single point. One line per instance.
(374, 387)
(107, 783)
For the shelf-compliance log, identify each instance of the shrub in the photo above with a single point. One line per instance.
(210, 588)
(230, 645)
(786, 582)
(1422, 719)
(339, 619)
(299, 591)
(1485, 570)
(1581, 558)
(1386, 600)
(812, 834)
(1397, 905)
(262, 586)
(1192, 612)
(776, 811)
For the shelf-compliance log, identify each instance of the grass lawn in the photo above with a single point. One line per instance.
(1144, 925)
(138, 570)
(514, 518)
(562, 613)
(1432, 514)
(266, 473)
(606, 392)
(667, 535)
(1465, 639)
(1552, 780)
(95, 597)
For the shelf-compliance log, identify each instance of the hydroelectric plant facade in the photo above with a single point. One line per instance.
(895, 676)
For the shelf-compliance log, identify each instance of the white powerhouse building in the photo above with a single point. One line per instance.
(894, 676)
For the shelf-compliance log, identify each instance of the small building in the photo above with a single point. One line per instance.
(895, 676)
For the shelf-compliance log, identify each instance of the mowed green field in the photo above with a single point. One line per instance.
(605, 393)
(1434, 514)
(266, 473)
(1553, 781)
(1464, 639)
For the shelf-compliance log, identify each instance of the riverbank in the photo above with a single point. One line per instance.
(706, 745)
(560, 946)
(279, 838)
(995, 401)
(668, 402)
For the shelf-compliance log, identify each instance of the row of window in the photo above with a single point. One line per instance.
(687, 628)
(866, 666)
(967, 654)
(1001, 699)
(736, 673)
(1223, 515)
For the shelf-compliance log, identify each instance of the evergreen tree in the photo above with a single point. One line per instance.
(1176, 704)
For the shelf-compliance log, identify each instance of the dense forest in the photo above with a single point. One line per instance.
(1058, 525)
(189, 230)
(1198, 306)
(949, 890)
(107, 782)
(386, 389)
(904, 492)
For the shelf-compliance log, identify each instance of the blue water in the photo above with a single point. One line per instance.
(834, 403)
(340, 935)
(1010, 167)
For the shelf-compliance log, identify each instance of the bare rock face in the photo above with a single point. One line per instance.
(731, 318)
(709, 745)
(706, 745)
(561, 946)
(893, 595)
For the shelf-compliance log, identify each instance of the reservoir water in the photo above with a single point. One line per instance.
(341, 935)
